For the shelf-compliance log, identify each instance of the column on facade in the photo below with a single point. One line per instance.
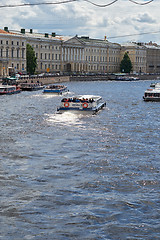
(80, 54)
(74, 57)
(68, 54)
(62, 54)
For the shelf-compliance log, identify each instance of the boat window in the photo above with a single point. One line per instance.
(75, 99)
(156, 94)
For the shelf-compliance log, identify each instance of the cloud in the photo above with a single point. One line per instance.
(146, 18)
(82, 18)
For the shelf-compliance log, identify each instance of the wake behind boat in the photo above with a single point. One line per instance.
(55, 89)
(82, 103)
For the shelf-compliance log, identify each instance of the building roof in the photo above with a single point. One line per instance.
(5, 32)
(89, 40)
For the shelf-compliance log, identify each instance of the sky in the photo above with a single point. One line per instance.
(121, 21)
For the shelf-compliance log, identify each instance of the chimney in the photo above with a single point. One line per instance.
(31, 31)
(6, 29)
(46, 35)
(23, 30)
(53, 34)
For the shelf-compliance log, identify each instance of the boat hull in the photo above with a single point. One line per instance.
(54, 91)
(151, 99)
(10, 92)
(31, 88)
(82, 110)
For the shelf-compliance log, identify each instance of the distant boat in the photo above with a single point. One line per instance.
(56, 89)
(9, 89)
(152, 84)
(152, 94)
(156, 84)
(30, 86)
(82, 103)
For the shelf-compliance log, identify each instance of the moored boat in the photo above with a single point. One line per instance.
(55, 89)
(31, 86)
(9, 89)
(82, 103)
(152, 94)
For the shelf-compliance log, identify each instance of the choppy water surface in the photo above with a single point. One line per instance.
(66, 176)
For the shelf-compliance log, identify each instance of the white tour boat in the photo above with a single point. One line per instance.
(82, 103)
(152, 94)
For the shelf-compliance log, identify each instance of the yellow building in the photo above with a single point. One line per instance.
(12, 52)
(137, 54)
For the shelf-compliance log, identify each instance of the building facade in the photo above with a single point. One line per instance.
(152, 58)
(66, 54)
(137, 54)
(12, 52)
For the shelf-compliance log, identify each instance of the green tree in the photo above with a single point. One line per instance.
(31, 59)
(126, 64)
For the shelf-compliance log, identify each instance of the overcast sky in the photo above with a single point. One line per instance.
(84, 19)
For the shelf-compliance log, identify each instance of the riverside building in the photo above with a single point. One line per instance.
(12, 52)
(66, 54)
(137, 53)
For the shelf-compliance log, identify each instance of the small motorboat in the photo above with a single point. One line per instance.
(81, 103)
(9, 89)
(55, 89)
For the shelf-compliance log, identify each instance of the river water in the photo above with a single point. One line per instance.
(80, 177)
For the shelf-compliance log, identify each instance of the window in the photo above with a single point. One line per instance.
(1, 52)
(7, 52)
(18, 53)
(23, 53)
(12, 53)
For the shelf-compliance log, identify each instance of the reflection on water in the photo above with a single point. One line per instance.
(68, 118)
